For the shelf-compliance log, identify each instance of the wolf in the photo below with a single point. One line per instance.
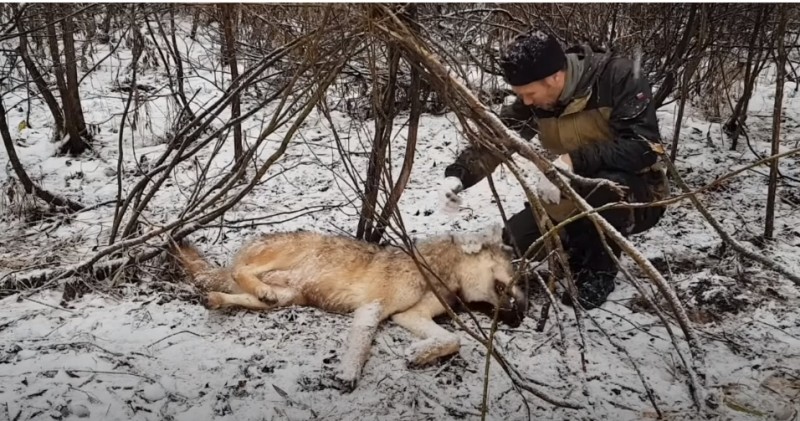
(374, 283)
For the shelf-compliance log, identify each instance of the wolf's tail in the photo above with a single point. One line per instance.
(203, 275)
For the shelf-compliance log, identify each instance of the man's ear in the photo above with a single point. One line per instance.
(557, 78)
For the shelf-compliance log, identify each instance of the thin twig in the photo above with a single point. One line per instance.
(79, 344)
(47, 305)
(174, 334)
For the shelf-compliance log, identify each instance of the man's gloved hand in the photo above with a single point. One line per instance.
(448, 194)
(547, 190)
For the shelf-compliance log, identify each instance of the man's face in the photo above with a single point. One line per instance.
(542, 93)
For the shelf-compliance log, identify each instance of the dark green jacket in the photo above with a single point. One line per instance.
(606, 123)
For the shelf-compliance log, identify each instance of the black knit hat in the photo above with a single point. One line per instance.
(531, 56)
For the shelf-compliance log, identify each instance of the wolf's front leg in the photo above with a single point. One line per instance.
(359, 342)
(436, 341)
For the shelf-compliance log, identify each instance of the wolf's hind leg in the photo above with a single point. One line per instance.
(279, 296)
(247, 279)
(437, 342)
(359, 342)
(222, 300)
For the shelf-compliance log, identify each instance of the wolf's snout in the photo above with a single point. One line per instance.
(515, 308)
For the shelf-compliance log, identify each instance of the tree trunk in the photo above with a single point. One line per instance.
(179, 65)
(227, 12)
(90, 25)
(612, 34)
(384, 118)
(39, 81)
(733, 127)
(676, 59)
(74, 144)
(186, 114)
(26, 181)
(138, 47)
(71, 70)
(105, 29)
(195, 22)
(688, 71)
(408, 160)
(776, 124)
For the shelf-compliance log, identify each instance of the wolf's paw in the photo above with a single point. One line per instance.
(339, 381)
(214, 300)
(429, 351)
(266, 294)
(427, 361)
(344, 385)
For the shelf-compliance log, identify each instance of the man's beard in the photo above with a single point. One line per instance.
(550, 106)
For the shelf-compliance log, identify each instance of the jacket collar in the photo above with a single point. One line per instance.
(583, 67)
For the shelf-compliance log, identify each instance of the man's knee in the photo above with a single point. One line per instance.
(620, 218)
(508, 237)
(521, 230)
(640, 188)
(648, 188)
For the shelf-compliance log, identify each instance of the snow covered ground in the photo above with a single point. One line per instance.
(151, 351)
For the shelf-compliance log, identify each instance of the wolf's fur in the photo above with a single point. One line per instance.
(343, 275)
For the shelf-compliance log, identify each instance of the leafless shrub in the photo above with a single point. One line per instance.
(15, 203)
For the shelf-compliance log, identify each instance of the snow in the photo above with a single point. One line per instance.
(151, 351)
(527, 47)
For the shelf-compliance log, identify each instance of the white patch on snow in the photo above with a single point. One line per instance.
(153, 393)
(80, 411)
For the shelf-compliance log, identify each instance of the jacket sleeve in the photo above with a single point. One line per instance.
(634, 124)
(474, 163)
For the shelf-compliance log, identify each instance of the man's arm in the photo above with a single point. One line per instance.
(634, 123)
(475, 162)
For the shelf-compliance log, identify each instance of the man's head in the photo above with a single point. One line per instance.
(534, 65)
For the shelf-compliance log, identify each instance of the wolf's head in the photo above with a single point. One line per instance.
(486, 276)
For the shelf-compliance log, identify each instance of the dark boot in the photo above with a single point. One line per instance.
(591, 265)
(594, 287)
